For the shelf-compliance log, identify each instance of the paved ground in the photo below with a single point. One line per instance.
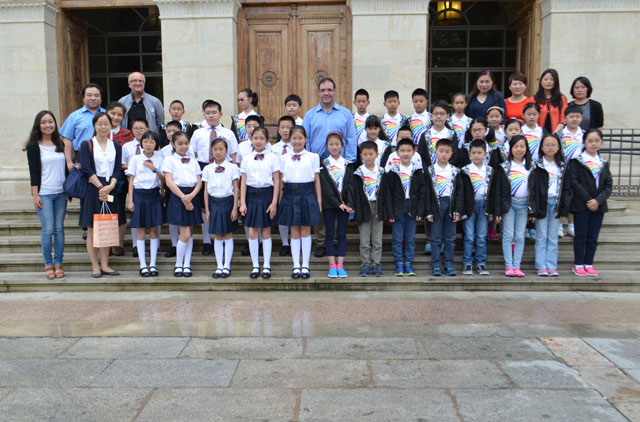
(320, 357)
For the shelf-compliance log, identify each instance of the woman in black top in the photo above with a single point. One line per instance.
(592, 114)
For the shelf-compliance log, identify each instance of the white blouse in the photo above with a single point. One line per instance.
(105, 159)
(260, 172)
(220, 181)
(185, 174)
(144, 178)
(303, 170)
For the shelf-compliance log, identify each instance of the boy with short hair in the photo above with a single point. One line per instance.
(442, 210)
(420, 120)
(361, 101)
(363, 198)
(403, 196)
(283, 147)
(572, 144)
(392, 120)
(293, 104)
(475, 181)
(390, 156)
(176, 111)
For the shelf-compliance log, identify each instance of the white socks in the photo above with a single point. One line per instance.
(134, 237)
(306, 251)
(253, 248)
(295, 252)
(181, 247)
(154, 245)
(228, 252)
(218, 247)
(187, 253)
(284, 235)
(141, 252)
(174, 231)
(266, 253)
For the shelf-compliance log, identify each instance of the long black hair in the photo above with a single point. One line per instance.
(475, 91)
(36, 134)
(527, 155)
(556, 95)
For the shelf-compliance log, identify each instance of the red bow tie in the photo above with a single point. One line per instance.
(259, 157)
(148, 161)
(219, 169)
(185, 159)
(296, 157)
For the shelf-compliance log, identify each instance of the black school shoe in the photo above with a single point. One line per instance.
(171, 252)
(320, 252)
(207, 249)
(245, 251)
(285, 250)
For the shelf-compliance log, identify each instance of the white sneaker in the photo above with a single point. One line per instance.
(570, 231)
(560, 232)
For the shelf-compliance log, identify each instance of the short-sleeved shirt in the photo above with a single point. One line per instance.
(303, 170)
(245, 148)
(359, 120)
(478, 180)
(242, 132)
(371, 181)
(394, 160)
(436, 135)
(534, 137)
(572, 143)
(282, 148)
(184, 170)
(419, 123)
(444, 180)
(519, 176)
(405, 177)
(392, 125)
(130, 150)
(260, 171)
(144, 178)
(336, 169)
(78, 127)
(220, 177)
(553, 170)
(460, 126)
(201, 139)
(167, 151)
(594, 164)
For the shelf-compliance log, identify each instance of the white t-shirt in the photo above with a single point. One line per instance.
(395, 160)
(405, 177)
(460, 126)
(444, 180)
(436, 135)
(572, 143)
(336, 169)
(299, 121)
(382, 147)
(303, 170)
(219, 178)
(260, 171)
(245, 148)
(184, 170)
(200, 141)
(534, 137)
(359, 120)
(519, 176)
(391, 126)
(478, 180)
(419, 124)
(371, 181)
(144, 178)
(553, 170)
(52, 170)
(595, 165)
(105, 160)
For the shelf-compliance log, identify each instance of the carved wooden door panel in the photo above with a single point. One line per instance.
(73, 66)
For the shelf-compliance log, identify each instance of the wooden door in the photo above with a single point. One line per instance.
(73, 63)
(287, 49)
(528, 45)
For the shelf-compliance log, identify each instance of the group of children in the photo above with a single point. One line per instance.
(434, 167)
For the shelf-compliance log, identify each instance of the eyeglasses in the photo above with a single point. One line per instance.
(136, 80)
(440, 113)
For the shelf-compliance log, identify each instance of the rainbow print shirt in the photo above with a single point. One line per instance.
(572, 143)
(460, 126)
(435, 136)
(359, 121)
(370, 182)
(406, 181)
(391, 126)
(336, 169)
(419, 124)
(594, 166)
(444, 180)
(240, 119)
(479, 182)
(519, 184)
(534, 136)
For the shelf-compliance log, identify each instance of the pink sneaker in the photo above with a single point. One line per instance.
(543, 272)
(518, 273)
(579, 271)
(509, 272)
(591, 272)
(552, 272)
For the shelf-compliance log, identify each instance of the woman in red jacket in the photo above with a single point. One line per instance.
(551, 101)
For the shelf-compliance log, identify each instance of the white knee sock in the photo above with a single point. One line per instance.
(181, 247)
(284, 235)
(218, 247)
(306, 250)
(295, 252)
(253, 248)
(154, 245)
(266, 253)
(206, 237)
(228, 252)
(187, 253)
(141, 255)
(134, 237)
(174, 231)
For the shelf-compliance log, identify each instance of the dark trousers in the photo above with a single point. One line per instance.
(330, 217)
(587, 226)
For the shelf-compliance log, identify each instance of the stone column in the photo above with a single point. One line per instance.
(389, 49)
(28, 83)
(191, 28)
(594, 38)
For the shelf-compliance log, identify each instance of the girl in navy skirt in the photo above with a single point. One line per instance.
(144, 200)
(182, 176)
(301, 198)
(334, 179)
(221, 204)
(259, 187)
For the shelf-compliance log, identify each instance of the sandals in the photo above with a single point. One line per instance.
(266, 273)
(255, 272)
(144, 272)
(305, 273)
(50, 273)
(295, 273)
(177, 271)
(58, 271)
(217, 273)
(226, 272)
(153, 271)
(186, 272)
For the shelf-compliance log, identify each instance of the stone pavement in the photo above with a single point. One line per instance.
(410, 357)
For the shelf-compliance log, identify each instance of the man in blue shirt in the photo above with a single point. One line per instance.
(78, 127)
(318, 122)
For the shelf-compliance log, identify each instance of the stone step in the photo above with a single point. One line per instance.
(609, 281)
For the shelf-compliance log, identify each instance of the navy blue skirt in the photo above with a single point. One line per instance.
(299, 206)
(258, 200)
(220, 215)
(90, 205)
(178, 215)
(147, 209)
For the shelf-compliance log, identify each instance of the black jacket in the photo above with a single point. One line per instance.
(581, 186)
(426, 150)
(35, 165)
(391, 194)
(358, 200)
(468, 195)
(432, 200)
(539, 194)
(499, 195)
(331, 197)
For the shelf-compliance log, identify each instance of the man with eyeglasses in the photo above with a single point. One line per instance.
(140, 104)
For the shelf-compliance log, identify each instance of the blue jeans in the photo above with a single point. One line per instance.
(475, 234)
(547, 238)
(587, 226)
(330, 216)
(443, 230)
(54, 208)
(513, 225)
(404, 230)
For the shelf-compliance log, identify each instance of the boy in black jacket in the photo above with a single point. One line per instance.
(403, 190)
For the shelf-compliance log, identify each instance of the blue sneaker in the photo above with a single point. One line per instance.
(364, 271)
(400, 270)
(435, 272)
(408, 269)
(342, 273)
(526, 234)
(427, 248)
(449, 271)
(532, 234)
(333, 272)
(377, 271)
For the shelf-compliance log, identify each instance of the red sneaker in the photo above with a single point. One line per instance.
(509, 272)
(579, 271)
(518, 273)
(591, 272)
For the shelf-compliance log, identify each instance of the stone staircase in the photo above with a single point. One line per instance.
(21, 267)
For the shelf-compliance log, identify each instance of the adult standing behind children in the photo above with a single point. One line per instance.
(592, 114)
(516, 102)
(318, 122)
(551, 101)
(484, 95)
(142, 104)
(78, 127)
